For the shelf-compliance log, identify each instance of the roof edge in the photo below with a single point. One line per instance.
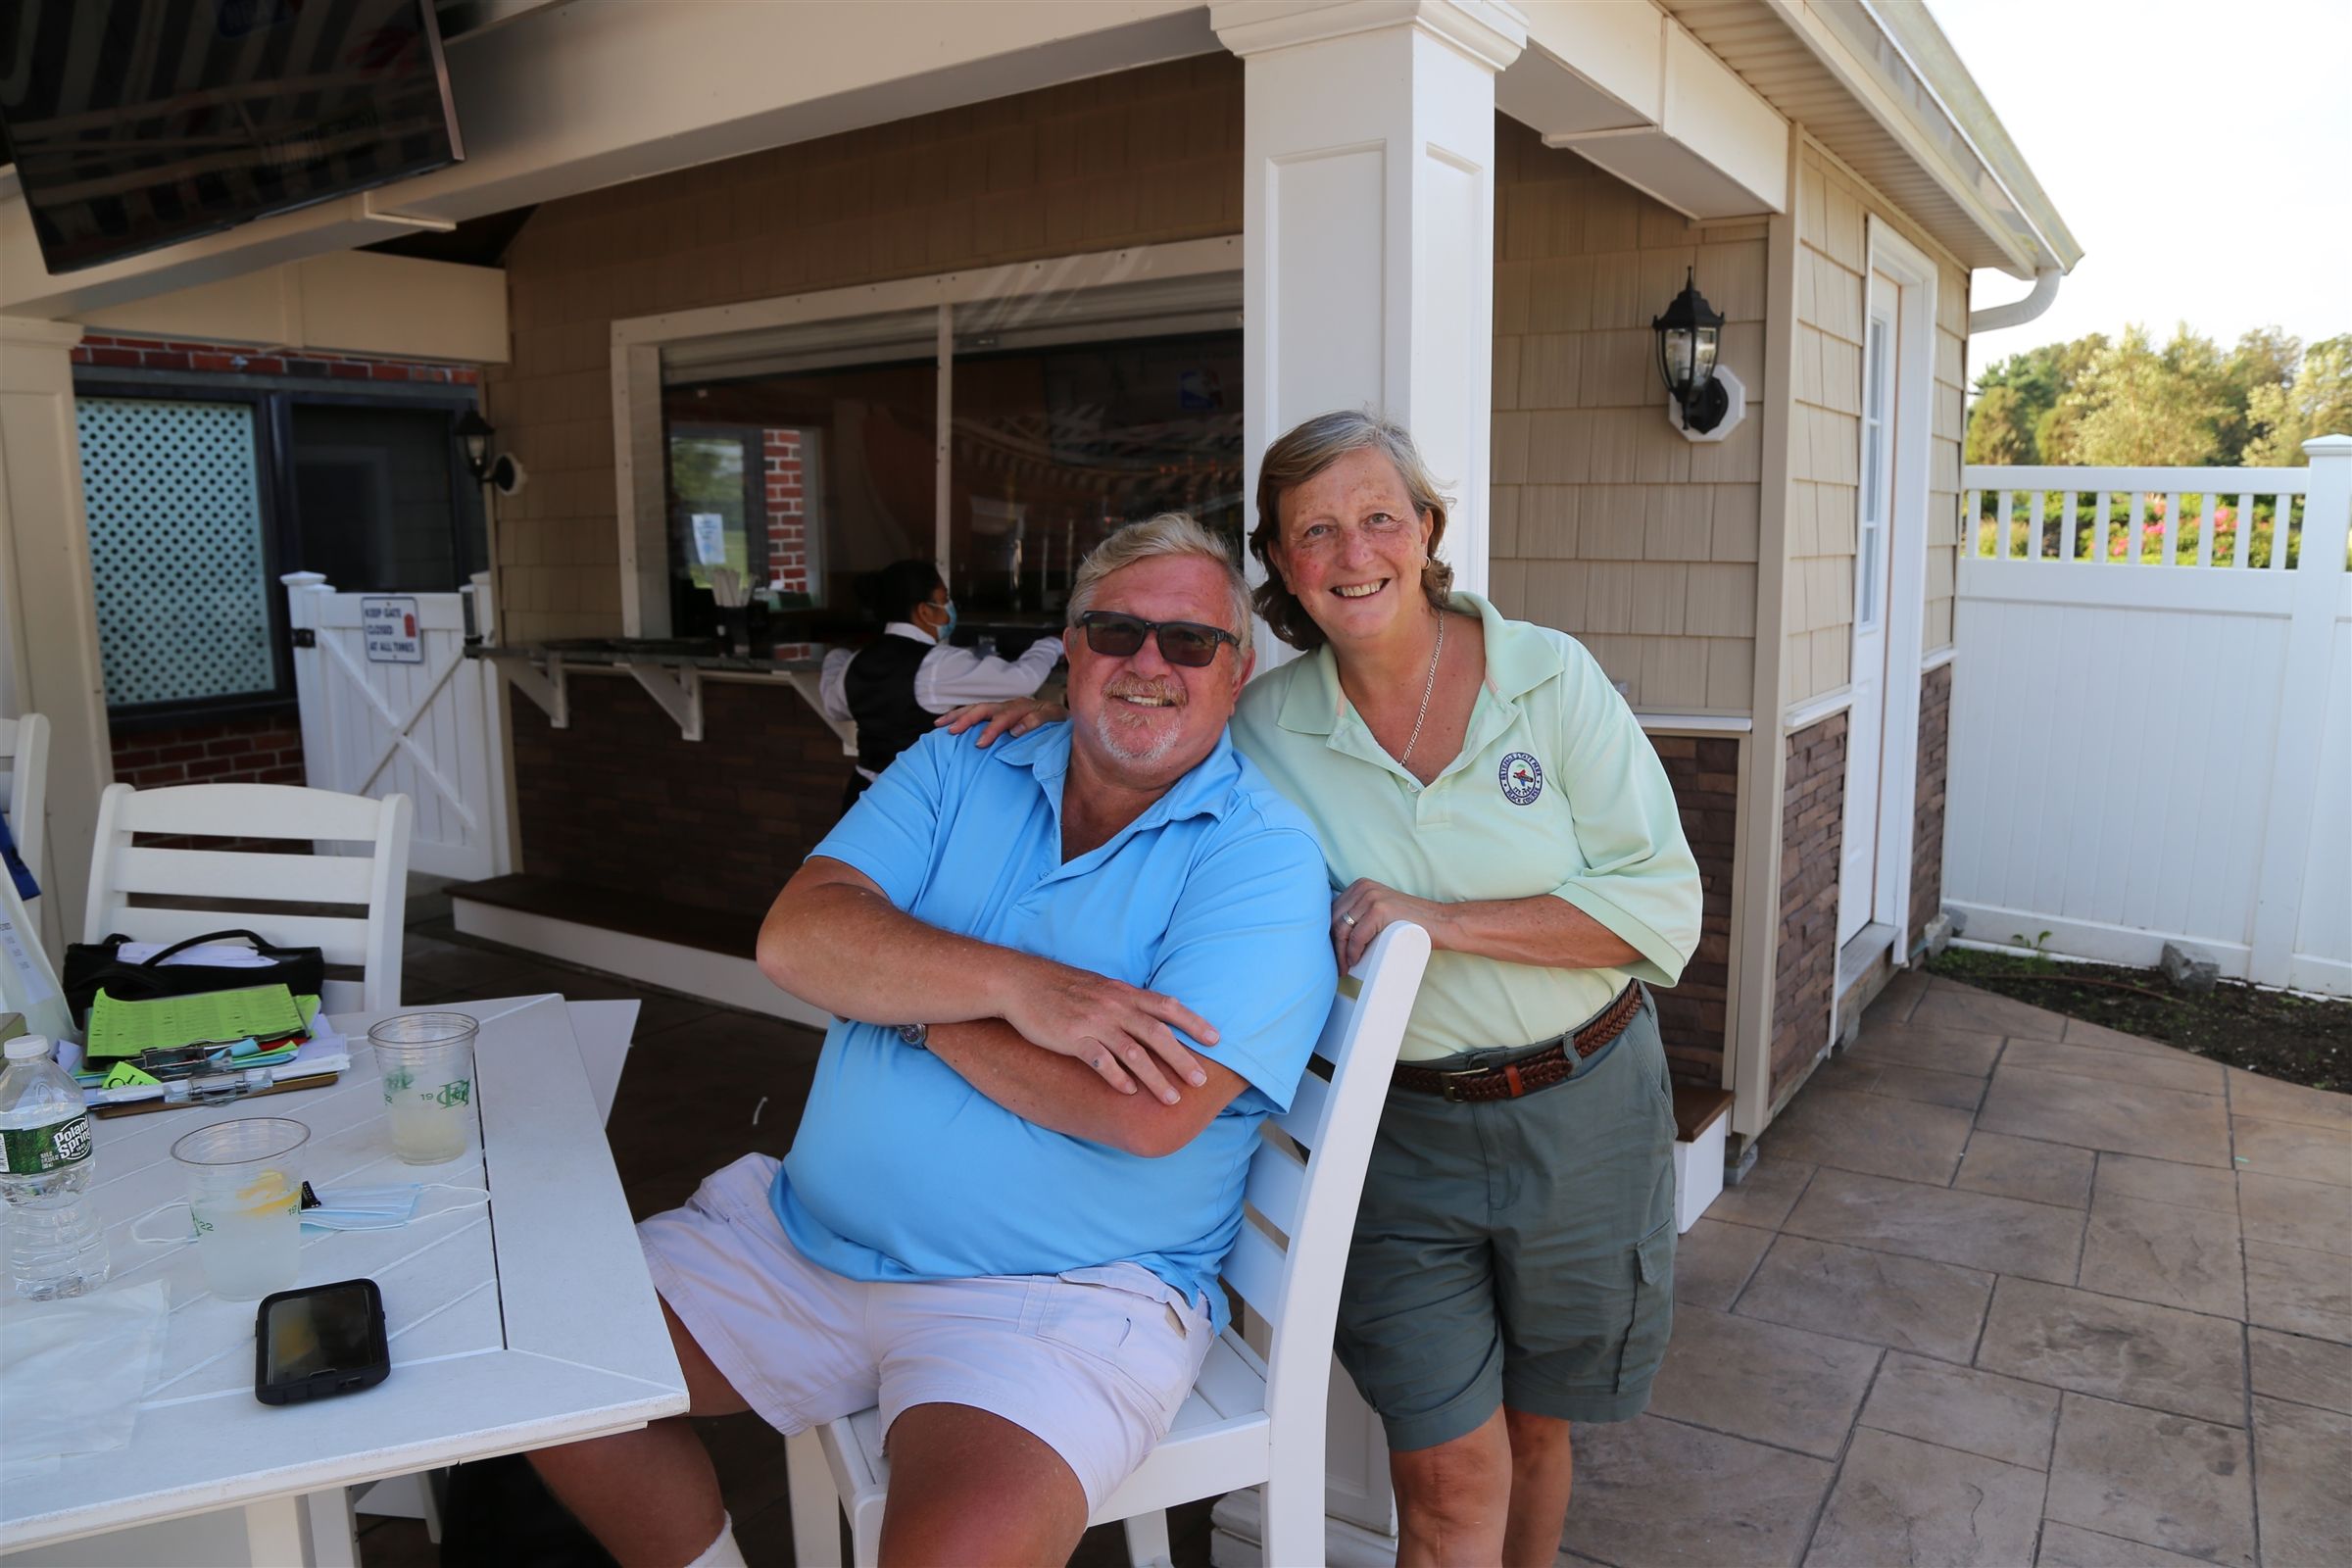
(1922, 37)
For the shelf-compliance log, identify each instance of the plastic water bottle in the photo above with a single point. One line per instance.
(55, 1246)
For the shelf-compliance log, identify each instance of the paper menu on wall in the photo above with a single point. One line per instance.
(215, 1017)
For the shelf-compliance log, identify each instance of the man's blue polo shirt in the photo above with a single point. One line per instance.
(1216, 896)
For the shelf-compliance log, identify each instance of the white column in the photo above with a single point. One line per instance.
(1368, 226)
(48, 611)
(1368, 282)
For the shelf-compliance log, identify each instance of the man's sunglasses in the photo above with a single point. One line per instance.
(1181, 642)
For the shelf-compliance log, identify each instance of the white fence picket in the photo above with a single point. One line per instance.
(2148, 755)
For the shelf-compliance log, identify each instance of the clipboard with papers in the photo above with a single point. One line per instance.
(166, 1052)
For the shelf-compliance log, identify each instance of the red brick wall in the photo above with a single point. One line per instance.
(264, 749)
(1692, 1014)
(787, 515)
(156, 354)
(1927, 813)
(1812, 823)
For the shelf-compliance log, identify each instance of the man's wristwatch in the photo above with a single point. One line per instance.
(918, 1034)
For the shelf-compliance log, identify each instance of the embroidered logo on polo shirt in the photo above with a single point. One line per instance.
(1521, 777)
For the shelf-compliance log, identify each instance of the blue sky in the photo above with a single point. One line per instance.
(2201, 149)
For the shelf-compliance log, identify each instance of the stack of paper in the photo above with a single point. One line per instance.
(263, 1034)
(259, 1013)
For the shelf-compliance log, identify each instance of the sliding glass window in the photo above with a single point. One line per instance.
(803, 456)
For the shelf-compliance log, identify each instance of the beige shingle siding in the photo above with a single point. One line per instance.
(1605, 522)
(1818, 604)
(1137, 158)
(1943, 456)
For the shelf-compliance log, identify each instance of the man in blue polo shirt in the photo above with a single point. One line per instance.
(1071, 973)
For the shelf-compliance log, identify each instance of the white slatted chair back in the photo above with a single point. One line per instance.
(24, 784)
(373, 886)
(1250, 1421)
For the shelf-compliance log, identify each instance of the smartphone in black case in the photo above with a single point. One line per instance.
(319, 1340)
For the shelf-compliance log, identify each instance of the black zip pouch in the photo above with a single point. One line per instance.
(92, 967)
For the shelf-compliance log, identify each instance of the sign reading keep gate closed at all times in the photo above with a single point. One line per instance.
(389, 626)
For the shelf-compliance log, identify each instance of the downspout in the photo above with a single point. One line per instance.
(2017, 312)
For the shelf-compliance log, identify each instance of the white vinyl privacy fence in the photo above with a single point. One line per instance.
(2151, 724)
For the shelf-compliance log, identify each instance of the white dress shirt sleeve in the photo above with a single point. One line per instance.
(951, 677)
(832, 685)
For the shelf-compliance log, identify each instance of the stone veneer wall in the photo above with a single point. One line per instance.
(1812, 823)
(1693, 1014)
(1927, 815)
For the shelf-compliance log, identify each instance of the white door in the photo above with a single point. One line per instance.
(391, 705)
(1858, 878)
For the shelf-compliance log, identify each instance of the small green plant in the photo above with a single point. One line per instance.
(2038, 949)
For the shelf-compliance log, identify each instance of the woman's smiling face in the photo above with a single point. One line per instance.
(1352, 547)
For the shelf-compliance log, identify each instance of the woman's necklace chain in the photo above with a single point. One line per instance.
(1427, 687)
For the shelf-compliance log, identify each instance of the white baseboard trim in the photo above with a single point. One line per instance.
(697, 971)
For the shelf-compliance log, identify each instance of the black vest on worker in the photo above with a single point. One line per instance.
(879, 687)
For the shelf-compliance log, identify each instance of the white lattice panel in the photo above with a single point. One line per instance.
(175, 549)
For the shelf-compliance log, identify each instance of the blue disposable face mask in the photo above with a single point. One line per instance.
(947, 631)
(364, 1209)
(345, 1208)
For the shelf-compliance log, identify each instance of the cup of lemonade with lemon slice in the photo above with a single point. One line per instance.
(245, 1195)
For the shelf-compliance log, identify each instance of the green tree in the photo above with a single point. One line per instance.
(2264, 358)
(2135, 406)
(2000, 427)
(2317, 402)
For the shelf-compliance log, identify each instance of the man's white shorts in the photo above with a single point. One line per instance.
(1094, 1362)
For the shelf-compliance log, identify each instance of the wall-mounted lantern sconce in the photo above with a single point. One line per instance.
(1706, 400)
(503, 471)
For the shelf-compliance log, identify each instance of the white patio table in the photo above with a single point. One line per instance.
(517, 1323)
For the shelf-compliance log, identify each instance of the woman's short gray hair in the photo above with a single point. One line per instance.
(1305, 451)
(1171, 534)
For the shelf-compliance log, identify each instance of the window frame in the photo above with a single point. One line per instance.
(174, 713)
(273, 398)
(641, 452)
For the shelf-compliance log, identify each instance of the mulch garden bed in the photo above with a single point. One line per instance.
(2295, 1038)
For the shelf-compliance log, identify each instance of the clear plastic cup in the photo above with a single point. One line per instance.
(245, 1193)
(426, 1060)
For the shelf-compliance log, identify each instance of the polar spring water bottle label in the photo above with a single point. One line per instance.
(37, 1150)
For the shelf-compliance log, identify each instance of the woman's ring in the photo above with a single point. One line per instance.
(1346, 919)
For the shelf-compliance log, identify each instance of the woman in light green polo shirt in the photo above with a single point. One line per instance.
(1512, 1267)
(1512, 1271)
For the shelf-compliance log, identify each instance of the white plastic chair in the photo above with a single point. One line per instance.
(25, 760)
(1248, 1421)
(375, 882)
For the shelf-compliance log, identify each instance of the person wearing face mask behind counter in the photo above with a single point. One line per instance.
(897, 684)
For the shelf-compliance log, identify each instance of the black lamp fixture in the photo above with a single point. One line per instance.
(502, 470)
(1689, 334)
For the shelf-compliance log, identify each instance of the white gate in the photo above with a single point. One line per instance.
(390, 704)
(2152, 715)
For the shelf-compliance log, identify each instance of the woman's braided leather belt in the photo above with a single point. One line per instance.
(1549, 1066)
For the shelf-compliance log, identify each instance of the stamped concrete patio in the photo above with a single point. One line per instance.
(2003, 1289)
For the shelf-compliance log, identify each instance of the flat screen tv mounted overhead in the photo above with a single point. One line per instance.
(140, 123)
